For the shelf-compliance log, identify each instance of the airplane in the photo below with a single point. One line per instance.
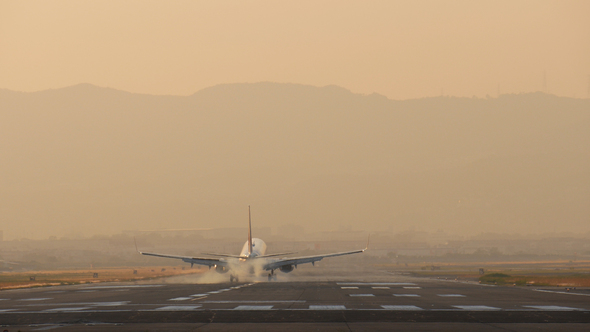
(252, 259)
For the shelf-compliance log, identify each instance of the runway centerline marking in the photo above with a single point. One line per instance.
(552, 308)
(349, 287)
(476, 307)
(360, 295)
(406, 295)
(6, 310)
(327, 307)
(180, 299)
(401, 307)
(253, 307)
(450, 295)
(37, 299)
(199, 295)
(380, 287)
(412, 287)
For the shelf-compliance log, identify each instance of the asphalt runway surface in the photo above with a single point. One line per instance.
(322, 303)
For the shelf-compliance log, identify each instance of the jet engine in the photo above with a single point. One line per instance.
(221, 269)
(286, 268)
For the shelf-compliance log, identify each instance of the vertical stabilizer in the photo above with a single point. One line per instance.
(249, 232)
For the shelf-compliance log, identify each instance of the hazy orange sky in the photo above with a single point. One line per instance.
(401, 49)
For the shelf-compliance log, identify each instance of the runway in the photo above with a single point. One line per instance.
(352, 305)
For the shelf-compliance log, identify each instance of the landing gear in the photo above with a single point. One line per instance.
(232, 278)
(272, 276)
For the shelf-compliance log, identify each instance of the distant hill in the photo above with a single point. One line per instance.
(90, 159)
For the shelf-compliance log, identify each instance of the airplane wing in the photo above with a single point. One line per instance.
(275, 264)
(193, 260)
(272, 265)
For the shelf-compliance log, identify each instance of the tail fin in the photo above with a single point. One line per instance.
(249, 231)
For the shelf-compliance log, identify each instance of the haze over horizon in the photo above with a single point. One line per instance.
(92, 160)
(326, 114)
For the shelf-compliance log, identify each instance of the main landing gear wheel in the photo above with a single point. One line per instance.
(272, 277)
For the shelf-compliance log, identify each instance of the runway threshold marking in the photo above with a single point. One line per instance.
(552, 308)
(401, 307)
(68, 309)
(253, 307)
(120, 286)
(406, 295)
(476, 307)
(327, 307)
(375, 284)
(178, 308)
(257, 301)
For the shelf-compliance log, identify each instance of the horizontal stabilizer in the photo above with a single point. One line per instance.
(279, 254)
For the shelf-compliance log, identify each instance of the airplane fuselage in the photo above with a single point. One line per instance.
(258, 249)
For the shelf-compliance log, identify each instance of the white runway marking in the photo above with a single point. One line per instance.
(253, 307)
(37, 299)
(401, 307)
(376, 284)
(106, 304)
(128, 286)
(6, 310)
(49, 327)
(66, 309)
(380, 287)
(214, 292)
(199, 295)
(178, 308)
(406, 295)
(552, 308)
(180, 299)
(4, 299)
(224, 290)
(476, 307)
(412, 287)
(450, 295)
(327, 307)
(559, 292)
(254, 301)
(349, 287)
(359, 295)
(86, 291)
